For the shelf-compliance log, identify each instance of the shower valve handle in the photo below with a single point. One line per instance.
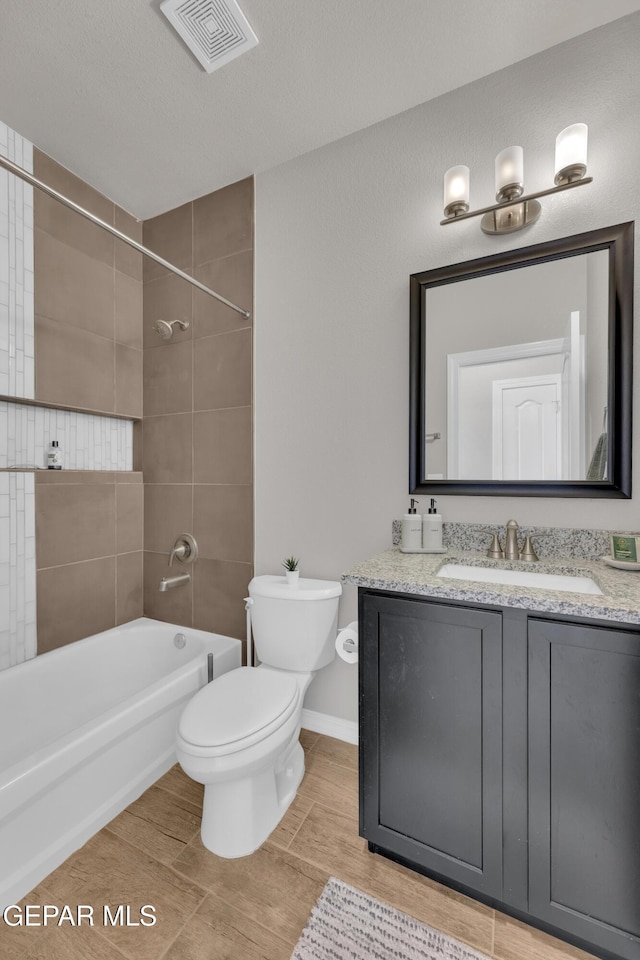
(185, 549)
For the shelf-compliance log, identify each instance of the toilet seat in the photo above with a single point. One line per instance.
(237, 710)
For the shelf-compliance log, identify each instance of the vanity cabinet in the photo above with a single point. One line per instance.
(584, 781)
(432, 772)
(500, 754)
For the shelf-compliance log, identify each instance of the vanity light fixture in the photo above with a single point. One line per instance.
(505, 216)
(456, 191)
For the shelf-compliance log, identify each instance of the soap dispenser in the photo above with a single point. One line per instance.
(411, 529)
(432, 530)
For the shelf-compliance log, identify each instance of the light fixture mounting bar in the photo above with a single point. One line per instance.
(519, 200)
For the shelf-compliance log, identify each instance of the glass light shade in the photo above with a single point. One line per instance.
(571, 153)
(456, 190)
(509, 174)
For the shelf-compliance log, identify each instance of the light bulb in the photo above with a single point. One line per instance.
(509, 174)
(571, 153)
(456, 191)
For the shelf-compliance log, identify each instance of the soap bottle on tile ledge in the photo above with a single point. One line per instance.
(54, 456)
(432, 530)
(411, 529)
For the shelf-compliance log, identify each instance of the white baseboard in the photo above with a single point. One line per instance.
(346, 730)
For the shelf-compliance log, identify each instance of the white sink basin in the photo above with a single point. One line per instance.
(523, 578)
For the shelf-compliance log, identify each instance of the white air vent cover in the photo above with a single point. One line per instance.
(215, 31)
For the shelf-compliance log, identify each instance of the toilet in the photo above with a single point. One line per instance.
(239, 734)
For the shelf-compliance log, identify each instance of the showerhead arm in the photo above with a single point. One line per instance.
(164, 328)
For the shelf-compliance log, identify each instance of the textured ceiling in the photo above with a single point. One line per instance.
(109, 90)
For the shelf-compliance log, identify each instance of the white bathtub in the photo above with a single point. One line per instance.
(84, 730)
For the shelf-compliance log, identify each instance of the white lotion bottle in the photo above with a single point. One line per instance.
(432, 530)
(54, 456)
(411, 538)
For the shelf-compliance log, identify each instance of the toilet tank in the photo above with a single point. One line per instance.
(294, 626)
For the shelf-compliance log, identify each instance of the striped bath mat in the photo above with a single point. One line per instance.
(346, 924)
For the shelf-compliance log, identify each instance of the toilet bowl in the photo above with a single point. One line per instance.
(239, 734)
(239, 737)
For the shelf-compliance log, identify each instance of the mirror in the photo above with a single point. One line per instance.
(521, 371)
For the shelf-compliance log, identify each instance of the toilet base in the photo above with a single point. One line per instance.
(239, 815)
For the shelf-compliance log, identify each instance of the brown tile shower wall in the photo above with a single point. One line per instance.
(89, 538)
(197, 428)
(88, 349)
(197, 447)
(88, 300)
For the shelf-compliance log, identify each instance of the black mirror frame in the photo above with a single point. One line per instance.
(619, 241)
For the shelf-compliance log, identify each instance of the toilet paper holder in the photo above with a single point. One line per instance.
(347, 643)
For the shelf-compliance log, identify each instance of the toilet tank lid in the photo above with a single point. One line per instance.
(304, 589)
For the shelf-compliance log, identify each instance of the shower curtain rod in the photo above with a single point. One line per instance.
(29, 178)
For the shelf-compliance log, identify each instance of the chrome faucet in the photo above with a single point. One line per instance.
(511, 548)
(176, 581)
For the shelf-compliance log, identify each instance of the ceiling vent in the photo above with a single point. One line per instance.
(216, 31)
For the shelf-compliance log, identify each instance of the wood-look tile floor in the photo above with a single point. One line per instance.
(248, 909)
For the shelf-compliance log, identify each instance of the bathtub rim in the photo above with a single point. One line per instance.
(60, 756)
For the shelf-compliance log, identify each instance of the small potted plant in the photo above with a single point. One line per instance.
(292, 573)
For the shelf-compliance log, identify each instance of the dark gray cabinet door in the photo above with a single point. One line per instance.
(584, 782)
(431, 737)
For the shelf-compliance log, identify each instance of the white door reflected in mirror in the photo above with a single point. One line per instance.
(527, 428)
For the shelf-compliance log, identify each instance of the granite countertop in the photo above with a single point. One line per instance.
(416, 573)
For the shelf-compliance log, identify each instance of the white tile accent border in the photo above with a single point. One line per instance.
(87, 442)
(16, 270)
(17, 569)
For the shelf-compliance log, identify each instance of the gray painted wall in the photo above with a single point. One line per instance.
(338, 231)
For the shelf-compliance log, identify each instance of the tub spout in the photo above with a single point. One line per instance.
(176, 581)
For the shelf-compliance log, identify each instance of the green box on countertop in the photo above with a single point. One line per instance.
(624, 547)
